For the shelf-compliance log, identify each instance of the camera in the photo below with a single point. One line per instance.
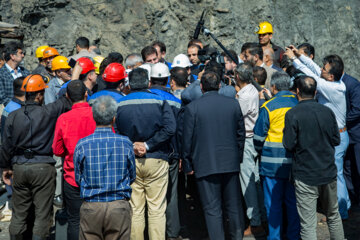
(210, 54)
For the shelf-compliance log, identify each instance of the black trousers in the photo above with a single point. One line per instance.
(218, 192)
(33, 184)
(352, 172)
(73, 203)
(172, 209)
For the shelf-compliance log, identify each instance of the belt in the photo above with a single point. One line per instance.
(342, 129)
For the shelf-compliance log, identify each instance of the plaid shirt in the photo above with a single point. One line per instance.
(6, 83)
(104, 164)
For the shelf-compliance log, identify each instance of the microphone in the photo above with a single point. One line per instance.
(199, 26)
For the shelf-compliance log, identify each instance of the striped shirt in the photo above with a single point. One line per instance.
(104, 164)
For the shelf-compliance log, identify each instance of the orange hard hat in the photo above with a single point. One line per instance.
(34, 83)
(114, 72)
(50, 52)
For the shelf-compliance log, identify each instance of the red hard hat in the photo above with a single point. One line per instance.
(86, 64)
(114, 72)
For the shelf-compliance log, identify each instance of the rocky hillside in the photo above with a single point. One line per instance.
(126, 26)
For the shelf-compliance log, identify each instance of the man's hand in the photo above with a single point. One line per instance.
(261, 93)
(139, 149)
(190, 173)
(7, 176)
(295, 50)
(289, 52)
(76, 71)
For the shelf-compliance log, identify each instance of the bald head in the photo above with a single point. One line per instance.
(306, 87)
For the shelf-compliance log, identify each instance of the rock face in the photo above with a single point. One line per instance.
(128, 26)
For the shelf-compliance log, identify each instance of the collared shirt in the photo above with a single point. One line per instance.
(104, 166)
(70, 127)
(177, 93)
(14, 74)
(330, 94)
(248, 98)
(83, 53)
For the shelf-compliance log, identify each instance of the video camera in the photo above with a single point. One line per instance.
(210, 54)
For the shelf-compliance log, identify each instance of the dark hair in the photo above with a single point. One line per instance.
(245, 46)
(179, 75)
(337, 66)
(255, 49)
(113, 85)
(285, 62)
(194, 46)
(260, 74)
(210, 81)
(103, 65)
(306, 86)
(147, 51)
(308, 49)
(244, 73)
(215, 67)
(30, 96)
(83, 77)
(82, 42)
(233, 54)
(159, 81)
(11, 48)
(194, 42)
(139, 79)
(115, 57)
(76, 90)
(161, 45)
(17, 84)
(2, 51)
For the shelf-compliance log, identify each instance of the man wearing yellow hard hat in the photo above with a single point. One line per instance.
(41, 68)
(62, 72)
(265, 34)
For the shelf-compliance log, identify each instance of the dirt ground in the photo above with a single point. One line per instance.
(197, 229)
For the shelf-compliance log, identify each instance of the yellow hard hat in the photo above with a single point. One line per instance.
(264, 27)
(59, 62)
(40, 51)
(98, 60)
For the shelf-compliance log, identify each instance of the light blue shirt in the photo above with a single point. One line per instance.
(330, 94)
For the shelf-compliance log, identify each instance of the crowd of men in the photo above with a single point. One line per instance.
(116, 142)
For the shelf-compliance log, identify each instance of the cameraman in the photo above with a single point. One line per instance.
(230, 66)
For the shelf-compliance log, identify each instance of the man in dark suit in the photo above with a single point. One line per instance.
(352, 158)
(212, 148)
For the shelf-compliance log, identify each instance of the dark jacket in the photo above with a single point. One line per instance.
(31, 128)
(352, 107)
(278, 52)
(213, 135)
(6, 84)
(146, 117)
(175, 105)
(311, 133)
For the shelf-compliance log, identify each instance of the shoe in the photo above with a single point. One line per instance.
(6, 213)
(256, 231)
(58, 202)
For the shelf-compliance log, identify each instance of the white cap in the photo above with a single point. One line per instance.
(146, 66)
(181, 60)
(159, 70)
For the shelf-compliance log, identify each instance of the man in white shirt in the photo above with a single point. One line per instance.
(330, 92)
(248, 98)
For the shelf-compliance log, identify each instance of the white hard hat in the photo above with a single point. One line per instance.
(181, 60)
(159, 70)
(147, 67)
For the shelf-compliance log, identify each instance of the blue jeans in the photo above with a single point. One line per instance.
(342, 193)
(276, 192)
